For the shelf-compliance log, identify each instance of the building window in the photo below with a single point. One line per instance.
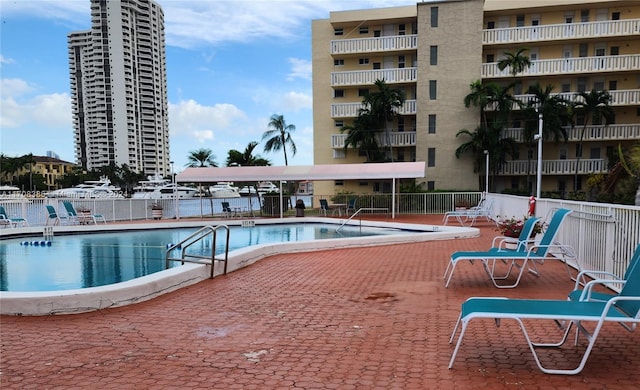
(363, 61)
(401, 29)
(338, 62)
(432, 89)
(491, 58)
(431, 157)
(364, 30)
(434, 16)
(598, 85)
(583, 50)
(519, 20)
(377, 65)
(615, 16)
(432, 123)
(400, 157)
(338, 31)
(431, 185)
(338, 93)
(433, 54)
(363, 91)
(614, 50)
(377, 33)
(584, 15)
(563, 154)
(339, 124)
(401, 62)
(400, 123)
(363, 183)
(582, 84)
(595, 153)
(339, 182)
(491, 25)
(566, 87)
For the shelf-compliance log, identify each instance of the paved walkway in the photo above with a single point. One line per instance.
(366, 318)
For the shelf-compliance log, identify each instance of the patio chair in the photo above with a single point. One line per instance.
(74, 217)
(592, 278)
(623, 309)
(484, 209)
(52, 216)
(11, 221)
(324, 207)
(520, 260)
(351, 206)
(226, 210)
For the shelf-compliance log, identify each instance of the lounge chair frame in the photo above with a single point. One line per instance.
(524, 258)
(468, 217)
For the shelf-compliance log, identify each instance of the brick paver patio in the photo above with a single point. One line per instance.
(366, 318)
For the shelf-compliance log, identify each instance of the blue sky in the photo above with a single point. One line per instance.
(223, 85)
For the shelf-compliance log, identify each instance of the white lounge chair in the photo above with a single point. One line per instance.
(468, 217)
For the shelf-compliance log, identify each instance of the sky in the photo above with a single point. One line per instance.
(223, 86)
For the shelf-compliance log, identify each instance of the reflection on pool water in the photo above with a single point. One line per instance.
(91, 260)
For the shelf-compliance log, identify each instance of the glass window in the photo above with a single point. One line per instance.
(519, 20)
(432, 123)
(433, 54)
(432, 89)
(431, 185)
(434, 16)
(338, 93)
(364, 30)
(431, 157)
(338, 62)
(338, 31)
(363, 61)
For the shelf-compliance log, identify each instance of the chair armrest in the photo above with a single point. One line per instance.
(588, 288)
(585, 276)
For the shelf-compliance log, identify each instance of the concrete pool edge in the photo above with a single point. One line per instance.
(151, 286)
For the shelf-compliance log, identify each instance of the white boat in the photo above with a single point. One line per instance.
(156, 187)
(264, 187)
(88, 190)
(224, 190)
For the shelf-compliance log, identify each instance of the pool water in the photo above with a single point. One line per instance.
(91, 260)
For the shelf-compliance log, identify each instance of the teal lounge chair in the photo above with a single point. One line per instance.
(74, 217)
(52, 217)
(11, 221)
(468, 217)
(623, 308)
(590, 279)
(523, 259)
(351, 206)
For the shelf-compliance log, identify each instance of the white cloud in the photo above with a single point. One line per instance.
(49, 110)
(14, 87)
(6, 60)
(299, 69)
(295, 101)
(192, 119)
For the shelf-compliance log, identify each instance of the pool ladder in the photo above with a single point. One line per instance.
(201, 234)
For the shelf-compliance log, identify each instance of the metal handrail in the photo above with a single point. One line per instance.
(194, 238)
(386, 209)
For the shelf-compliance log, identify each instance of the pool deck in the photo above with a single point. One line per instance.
(356, 318)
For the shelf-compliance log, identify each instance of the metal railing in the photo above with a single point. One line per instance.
(197, 237)
(385, 209)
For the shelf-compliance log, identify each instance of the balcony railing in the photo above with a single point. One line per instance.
(369, 77)
(372, 45)
(391, 138)
(350, 110)
(579, 65)
(554, 167)
(592, 133)
(556, 32)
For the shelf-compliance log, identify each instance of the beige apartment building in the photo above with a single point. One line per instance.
(434, 50)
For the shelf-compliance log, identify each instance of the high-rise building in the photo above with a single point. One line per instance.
(119, 87)
(435, 50)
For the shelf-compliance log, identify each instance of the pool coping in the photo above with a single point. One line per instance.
(148, 287)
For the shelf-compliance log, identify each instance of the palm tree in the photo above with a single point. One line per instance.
(553, 109)
(362, 135)
(481, 139)
(631, 164)
(201, 158)
(383, 106)
(516, 62)
(480, 97)
(594, 106)
(278, 136)
(246, 158)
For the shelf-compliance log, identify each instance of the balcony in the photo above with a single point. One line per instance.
(558, 32)
(622, 97)
(554, 167)
(566, 66)
(369, 77)
(391, 138)
(350, 110)
(372, 45)
(620, 132)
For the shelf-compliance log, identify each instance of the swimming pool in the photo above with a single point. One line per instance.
(92, 260)
(158, 283)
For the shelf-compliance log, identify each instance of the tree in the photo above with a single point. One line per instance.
(378, 110)
(201, 158)
(481, 139)
(279, 136)
(594, 107)
(246, 158)
(553, 109)
(516, 62)
(629, 165)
